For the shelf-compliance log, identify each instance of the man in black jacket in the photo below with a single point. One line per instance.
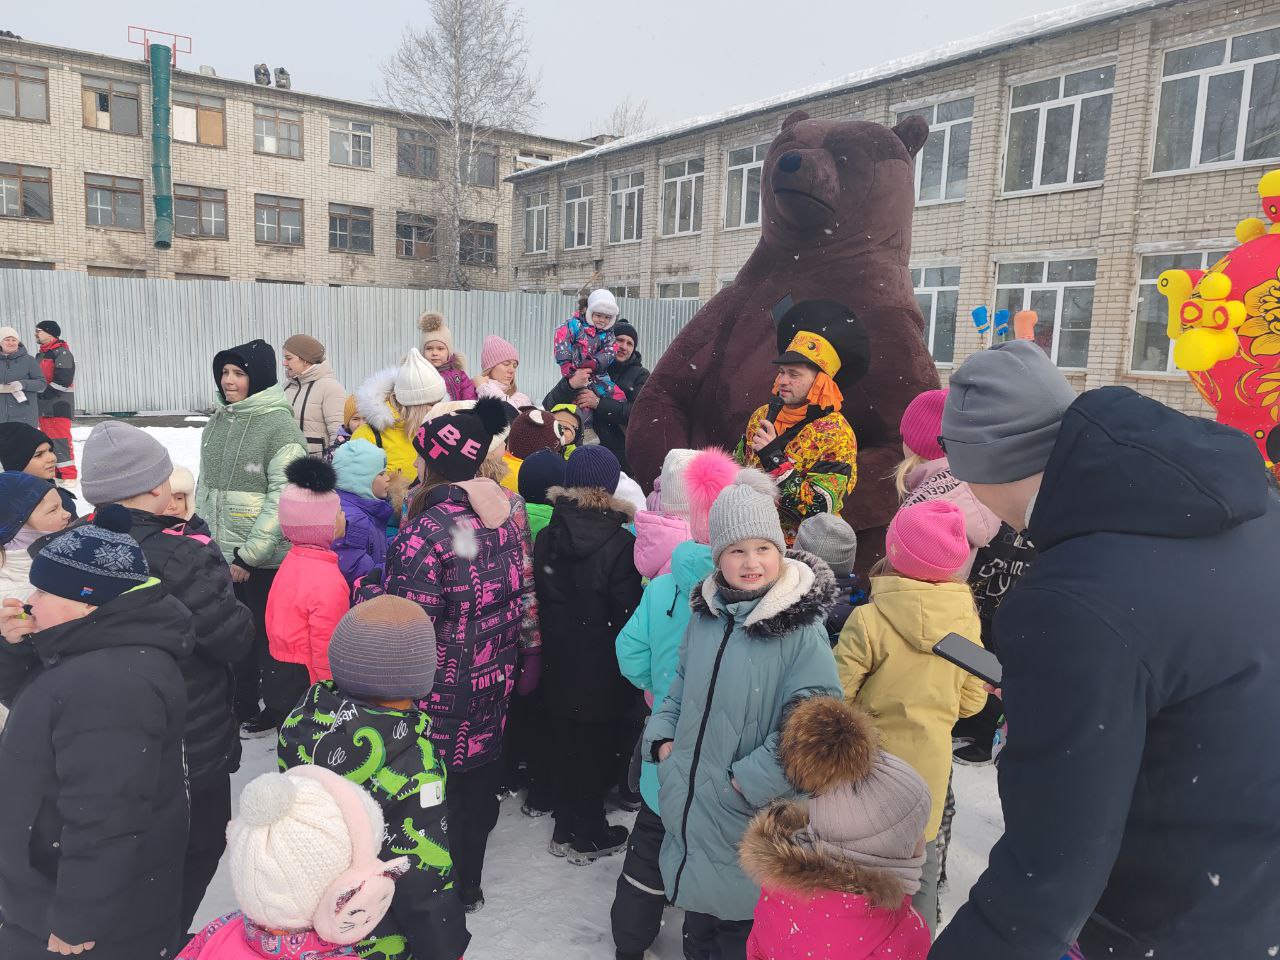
(1141, 780)
(611, 416)
(128, 466)
(93, 811)
(57, 405)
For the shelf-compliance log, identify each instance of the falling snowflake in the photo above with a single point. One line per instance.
(464, 542)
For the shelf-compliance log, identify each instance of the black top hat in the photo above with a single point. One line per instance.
(836, 324)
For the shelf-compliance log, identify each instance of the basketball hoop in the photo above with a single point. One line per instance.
(145, 36)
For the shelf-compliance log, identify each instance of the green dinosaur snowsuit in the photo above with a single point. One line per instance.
(388, 752)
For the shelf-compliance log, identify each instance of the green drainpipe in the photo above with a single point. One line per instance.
(161, 171)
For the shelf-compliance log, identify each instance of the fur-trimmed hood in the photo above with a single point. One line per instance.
(801, 595)
(584, 520)
(592, 498)
(772, 855)
(371, 399)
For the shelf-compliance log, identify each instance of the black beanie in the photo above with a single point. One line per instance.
(623, 328)
(454, 446)
(18, 442)
(49, 327)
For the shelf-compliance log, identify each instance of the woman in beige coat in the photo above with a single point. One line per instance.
(313, 391)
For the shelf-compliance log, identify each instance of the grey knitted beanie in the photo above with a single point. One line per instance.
(829, 537)
(741, 512)
(120, 461)
(385, 649)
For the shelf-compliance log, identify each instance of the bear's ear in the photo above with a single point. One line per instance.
(793, 118)
(913, 132)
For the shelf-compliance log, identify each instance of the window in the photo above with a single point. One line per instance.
(942, 166)
(577, 216)
(626, 208)
(477, 242)
(1152, 348)
(1220, 103)
(24, 91)
(631, 290)
(1061, 294)
(480, 168)
(112, 202)
(742, 186)
(350, 143)
(682, 197)
(678, 290)
(276, 131)
(415, 236)
(199, 276)
(25, 265)
(350, 228)
(277, 220)
(535, 222)
(415, 153)
(199, 119)
(283, 283)
(199, 212)
(110, 105)
(1058, 131)
(24, 192)
(938, 293)
(128, 273)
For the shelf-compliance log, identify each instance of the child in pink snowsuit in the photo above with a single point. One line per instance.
(587, 342)
(836, 881)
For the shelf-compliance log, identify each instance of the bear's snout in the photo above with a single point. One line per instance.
(790, 162)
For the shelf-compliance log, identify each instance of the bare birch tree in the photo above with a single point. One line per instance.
(627, 118)
(464, 79)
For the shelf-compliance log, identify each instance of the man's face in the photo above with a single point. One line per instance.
(793, 382)
(9, 344)
(626, 347)
(42, 338)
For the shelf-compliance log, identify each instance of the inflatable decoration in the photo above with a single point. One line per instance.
(836, 204)
(1225, 326)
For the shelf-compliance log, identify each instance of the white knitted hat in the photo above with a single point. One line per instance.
(287, 845)
(418, 382)
(674, 498)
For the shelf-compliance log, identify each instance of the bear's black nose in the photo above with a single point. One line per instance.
(789, 163)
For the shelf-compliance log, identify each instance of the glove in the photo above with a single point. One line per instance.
(8, 388)
(530, 674)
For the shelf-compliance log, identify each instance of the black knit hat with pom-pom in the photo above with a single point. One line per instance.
(455, 445)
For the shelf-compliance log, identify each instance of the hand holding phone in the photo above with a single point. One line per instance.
(970, 657)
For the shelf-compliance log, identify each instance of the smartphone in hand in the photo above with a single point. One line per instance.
(970, 657)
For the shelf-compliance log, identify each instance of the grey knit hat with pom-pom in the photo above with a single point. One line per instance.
(743, 512)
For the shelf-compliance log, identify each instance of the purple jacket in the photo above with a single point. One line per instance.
(466, 560)
(456, 381)
(364, 546)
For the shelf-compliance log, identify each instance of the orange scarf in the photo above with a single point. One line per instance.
(823, 393)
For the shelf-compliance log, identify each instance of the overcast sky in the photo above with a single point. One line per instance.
(685, 57)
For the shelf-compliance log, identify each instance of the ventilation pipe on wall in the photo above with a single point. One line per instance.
(161, 170)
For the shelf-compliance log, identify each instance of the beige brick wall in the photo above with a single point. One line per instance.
(70, 150)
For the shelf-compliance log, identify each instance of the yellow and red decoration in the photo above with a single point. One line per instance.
(817, 350)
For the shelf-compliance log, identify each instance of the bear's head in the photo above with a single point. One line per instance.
(819, 175)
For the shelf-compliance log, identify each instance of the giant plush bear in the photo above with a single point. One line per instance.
(837, 200)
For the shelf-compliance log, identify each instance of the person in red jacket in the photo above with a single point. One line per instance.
(57, 403)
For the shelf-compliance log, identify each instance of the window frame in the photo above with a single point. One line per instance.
(680, 282)
(425, 222)
(620, 291)
(469, 166)
(1042, 108)
(112, 94)
(197, 107)
(1207, 257)
(17, 78)
(201, 199)
(1059, 287)
(407, 137)
(273, 113)
(116, 188)
(929, 110)
(932, 290)
(540, 213)
(758, 152)
(277, 207)
(344, 127)
(631, 189)
(483, 229)
(21, 175)
(353, 213)
(581, 212)
(695, 183)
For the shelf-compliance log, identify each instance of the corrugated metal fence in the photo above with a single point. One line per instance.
(148, 345)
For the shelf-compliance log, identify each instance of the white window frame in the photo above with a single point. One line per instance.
(931, 320)
(535, 221)
(1206, 258)
(1204, 75)
(1058, 287)
(682, 283)
(929, 110)
(577, 215)
(618, 197)
(685, 184)
(742, 171)
(358, 137)
(1043, 107)
(627, 289)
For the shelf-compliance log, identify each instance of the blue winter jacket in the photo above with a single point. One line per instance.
(649, 645)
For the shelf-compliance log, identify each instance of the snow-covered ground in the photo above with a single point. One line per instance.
(538, 907)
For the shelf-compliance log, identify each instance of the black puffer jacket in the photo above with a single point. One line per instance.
(93, 809)
(1141, 782)
(588, 587)
(612, 416)
(196, 574)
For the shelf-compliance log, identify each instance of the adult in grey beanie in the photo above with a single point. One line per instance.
(742, 512)
(829, 537)
(1002, 415)
(120, 461)
(384, 649)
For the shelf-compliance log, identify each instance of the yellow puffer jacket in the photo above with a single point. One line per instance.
(887, 667)
(381, 425)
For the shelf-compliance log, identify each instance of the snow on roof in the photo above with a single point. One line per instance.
(1028, 28)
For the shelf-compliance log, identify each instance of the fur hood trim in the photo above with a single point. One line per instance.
(592, 498)
(458, 360)
(371, 399)
(801, 596)
(772, 856)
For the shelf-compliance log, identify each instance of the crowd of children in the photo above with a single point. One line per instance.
(481, 601)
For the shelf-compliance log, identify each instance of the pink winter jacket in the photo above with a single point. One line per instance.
(935, 481)
(308, 598)
(657, 534)
(816, 906)
(236, 937)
